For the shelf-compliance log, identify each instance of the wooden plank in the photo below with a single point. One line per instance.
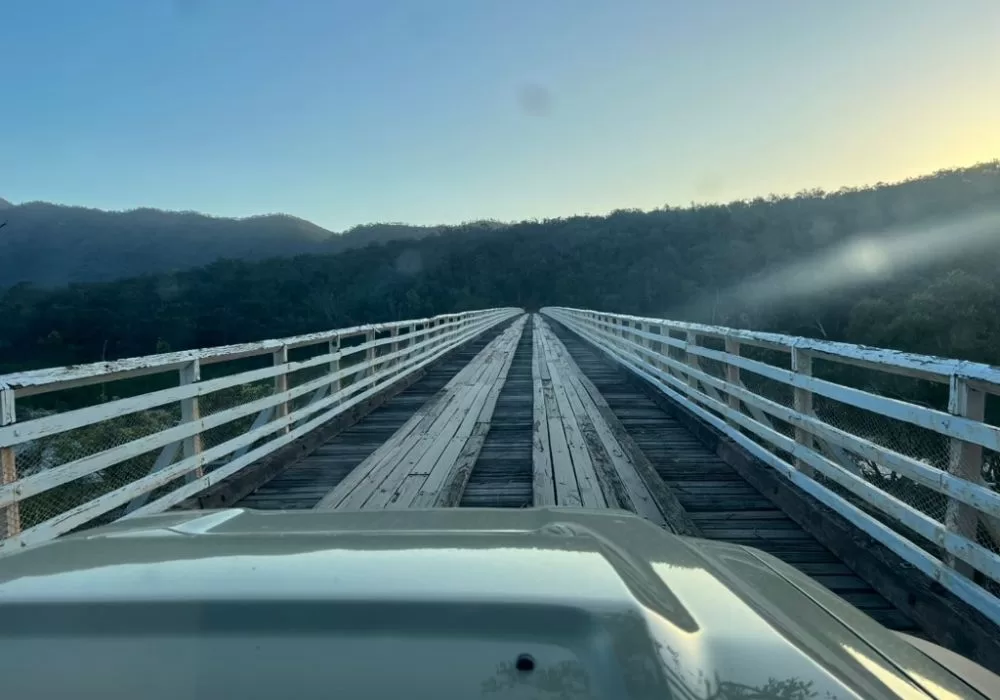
(404, 494)
(543, 479)
(400, 443)
(431, 446)
(354, 492)
(450, 494)
(438, 460)
(566, 488)
(417, 446)
(447, 492)
(647, 493)
(564, 477)
(591, 495)
(598, 466)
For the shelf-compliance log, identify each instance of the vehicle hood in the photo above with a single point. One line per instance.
(633, 607)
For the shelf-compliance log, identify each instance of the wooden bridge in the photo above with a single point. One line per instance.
(870, 470)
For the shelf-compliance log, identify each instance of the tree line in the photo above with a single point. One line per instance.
(706, 263)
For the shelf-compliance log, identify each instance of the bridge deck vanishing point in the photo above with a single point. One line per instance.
(504, 409)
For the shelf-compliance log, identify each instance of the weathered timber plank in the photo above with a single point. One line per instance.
(450, 494)
(646, 493)
(456, 471)
(373, 470)
(360, 439)
(237, 487)
(567, 491)
(591, 495)
(543, 477)
(440, 443)
(600, 461)
(405, 492)
(437, 432)
(374, 492)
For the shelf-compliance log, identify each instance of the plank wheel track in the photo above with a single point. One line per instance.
(502, 475)
(303, 484)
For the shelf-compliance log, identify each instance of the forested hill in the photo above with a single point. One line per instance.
(52, 245)
(911, 266)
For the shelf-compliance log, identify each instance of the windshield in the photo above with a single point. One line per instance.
(728, 266)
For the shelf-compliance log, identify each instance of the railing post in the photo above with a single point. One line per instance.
(645, 342)
(733, 377)
(191, 411)
(965, 461)
(690, 359)
(370, 352)
(394, 347)
(661, 349)
(334, 348)
(280, 357)
(802, 400)
(10, 522)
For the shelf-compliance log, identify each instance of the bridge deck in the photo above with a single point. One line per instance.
(426, 463)
(304, 483)
(606, 444)
(716, 499)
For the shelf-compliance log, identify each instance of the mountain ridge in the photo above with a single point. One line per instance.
(52, 245)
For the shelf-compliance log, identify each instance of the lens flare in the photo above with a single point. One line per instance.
(863, 260)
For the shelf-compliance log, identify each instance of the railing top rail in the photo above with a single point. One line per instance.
(51, 378)
(930, 367)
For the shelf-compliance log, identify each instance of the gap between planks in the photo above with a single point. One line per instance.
(427, 462)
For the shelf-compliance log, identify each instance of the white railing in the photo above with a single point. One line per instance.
(842, 422)
(98, 442)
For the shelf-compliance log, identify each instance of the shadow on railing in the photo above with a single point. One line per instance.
(88, 444)
(895, 442)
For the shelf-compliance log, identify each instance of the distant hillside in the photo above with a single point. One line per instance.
(875, 278)
(52, 245)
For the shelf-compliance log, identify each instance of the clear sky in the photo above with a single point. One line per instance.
(439, 111)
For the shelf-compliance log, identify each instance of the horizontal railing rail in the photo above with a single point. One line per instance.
(896, 443)
(92, 443)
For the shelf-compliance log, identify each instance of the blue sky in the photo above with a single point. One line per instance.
(439, 111)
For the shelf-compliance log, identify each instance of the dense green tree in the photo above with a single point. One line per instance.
(834, 265)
